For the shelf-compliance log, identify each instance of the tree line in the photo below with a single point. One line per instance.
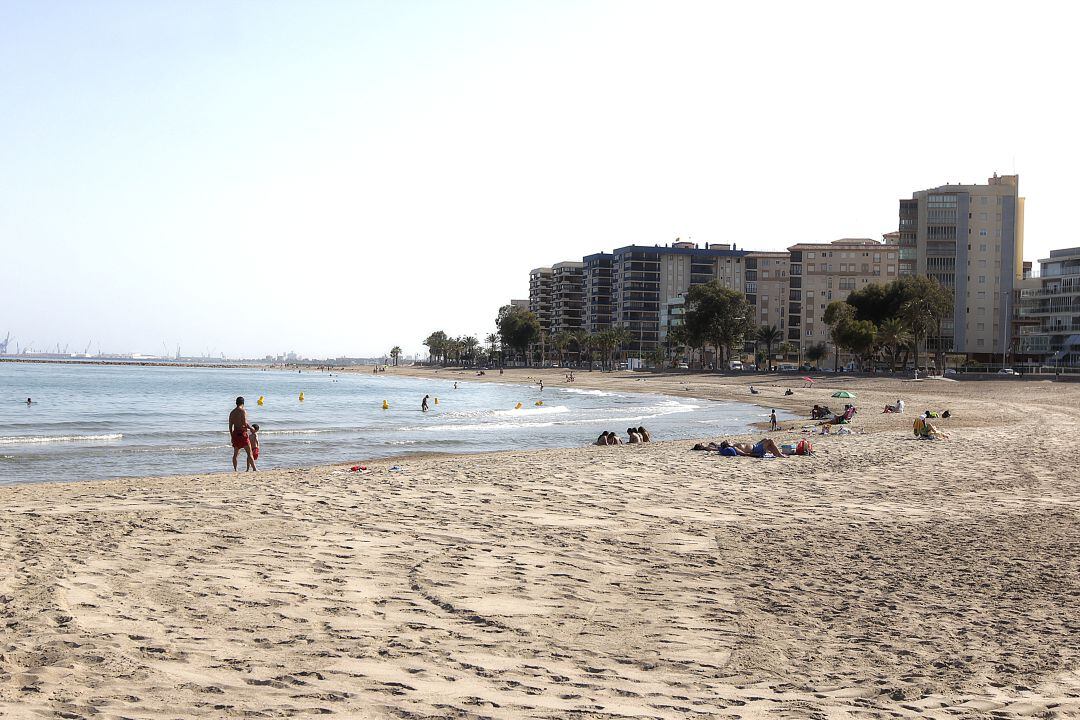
(887, 322)
(878, 322)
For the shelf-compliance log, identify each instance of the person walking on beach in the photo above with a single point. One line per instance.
(423, 404)
(239, 433)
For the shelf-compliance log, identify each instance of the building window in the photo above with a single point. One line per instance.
(810, 267)
(810, 256)
(982, 233)
(982, 247)
(980, 342)
(982, 279)
(891, 269)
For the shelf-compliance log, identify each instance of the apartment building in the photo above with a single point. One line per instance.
(598, 306)
(567, 297)
(541, 283)
(1048, 311)
(821, 273)
(971, 239)
(766, 288)
(646, 281)
(522, 303)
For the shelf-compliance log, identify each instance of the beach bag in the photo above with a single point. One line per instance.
(803, 447)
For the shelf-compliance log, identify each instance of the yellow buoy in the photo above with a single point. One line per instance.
(301, 397)
(385, 405)
(518, 406)
(539, 403)
(436, 401)
(261, 398)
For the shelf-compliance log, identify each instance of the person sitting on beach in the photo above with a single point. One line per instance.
(239, 433)
(602, 440)
(754, 391)
(254, 440)
(645, 436)
(789, 391)
(897, 408)
(634, 437)
(613, 439)
(925, 430)
(842, 419)
(758, 449)
(815, 413)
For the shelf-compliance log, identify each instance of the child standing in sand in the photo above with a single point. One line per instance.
(772, 420)
(254, 439)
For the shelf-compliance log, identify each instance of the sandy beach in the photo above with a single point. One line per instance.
(884, 577)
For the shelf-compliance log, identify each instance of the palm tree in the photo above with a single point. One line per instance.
(492, 339)
(579, 338)
(770, 335)
(395, 353)
(620, 337)
(561, 341)
(469, 345)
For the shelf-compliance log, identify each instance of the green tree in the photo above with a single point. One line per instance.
(860, 338)
(677, 340)
(658, 357)
(492, 339)
(837, 315)
(395, 353)
(518, 328)
(720, 315)
(470, 347)
(561, 342)
(769, 335)
(893, 337)
(437, 344)
(816, 353)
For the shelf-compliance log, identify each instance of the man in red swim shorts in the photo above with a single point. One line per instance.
(238, 430)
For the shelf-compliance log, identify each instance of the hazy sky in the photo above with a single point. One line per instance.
(340, 177)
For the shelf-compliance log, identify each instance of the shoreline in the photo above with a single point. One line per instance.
(435, 375)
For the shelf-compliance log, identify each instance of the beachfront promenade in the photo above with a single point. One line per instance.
(885, 576)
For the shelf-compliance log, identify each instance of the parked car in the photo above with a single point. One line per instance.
(786, 367)
(950, 371)
(683, 366)
(807, 367)
(1006, 371)
(735, 365)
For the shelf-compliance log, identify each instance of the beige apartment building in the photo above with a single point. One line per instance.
(767, 288)
(567, 297)
(971, 239)
(821, 273)
(541, 285)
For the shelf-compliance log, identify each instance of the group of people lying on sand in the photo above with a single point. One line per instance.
(634, 435)
(756, 450)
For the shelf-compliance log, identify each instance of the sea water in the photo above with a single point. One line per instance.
(98, 421)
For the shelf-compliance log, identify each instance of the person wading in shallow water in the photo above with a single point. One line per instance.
(239, 432)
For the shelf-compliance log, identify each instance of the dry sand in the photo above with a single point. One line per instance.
(885, 577)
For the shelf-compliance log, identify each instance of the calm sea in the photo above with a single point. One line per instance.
(92, 422)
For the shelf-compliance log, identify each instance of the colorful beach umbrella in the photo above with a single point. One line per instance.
(808, 379)
(843, 394)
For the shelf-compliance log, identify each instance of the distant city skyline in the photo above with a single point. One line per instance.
(340, 178)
